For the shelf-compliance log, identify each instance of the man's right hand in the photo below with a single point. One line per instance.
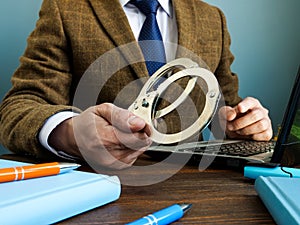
(103, 135)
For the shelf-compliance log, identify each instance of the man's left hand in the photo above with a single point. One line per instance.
(247, 120)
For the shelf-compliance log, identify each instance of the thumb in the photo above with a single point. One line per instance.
(120, 118)
(227, 113)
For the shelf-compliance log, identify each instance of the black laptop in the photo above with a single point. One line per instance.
(285, 150)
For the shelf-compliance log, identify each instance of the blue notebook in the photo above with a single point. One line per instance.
(281, 196)
(50, 199)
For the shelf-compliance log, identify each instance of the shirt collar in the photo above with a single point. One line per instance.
(165, 4)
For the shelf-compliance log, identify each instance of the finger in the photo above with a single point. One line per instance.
(117, 162)
(227, 113)
(125, 158)
(133, 141)
(256, 128)
(115, 156)
(137, 122)
(133, 156)
(248, 104)
(113, 138)
(120, 118)
(263, 136)
(247, 119)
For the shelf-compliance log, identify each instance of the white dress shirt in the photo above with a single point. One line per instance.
(166, 22)
(168, 27)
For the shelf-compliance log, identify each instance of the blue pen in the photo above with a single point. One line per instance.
(164, 216)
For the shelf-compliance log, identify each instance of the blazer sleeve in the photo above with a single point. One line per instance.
(40, 85)
(228, 80)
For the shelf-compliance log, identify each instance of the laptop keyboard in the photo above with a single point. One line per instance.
(245, 148)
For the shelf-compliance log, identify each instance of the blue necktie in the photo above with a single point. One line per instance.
(150, 39)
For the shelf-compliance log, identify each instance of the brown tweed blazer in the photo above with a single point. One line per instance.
(70, 35)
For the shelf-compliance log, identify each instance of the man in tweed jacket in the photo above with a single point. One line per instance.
(68, 38)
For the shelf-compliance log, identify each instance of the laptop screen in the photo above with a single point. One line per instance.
(287, 149)
(294, 136)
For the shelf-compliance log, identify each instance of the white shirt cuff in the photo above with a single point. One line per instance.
(49, 126)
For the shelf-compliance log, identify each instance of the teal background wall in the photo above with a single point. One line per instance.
(265, 37)
(265, 41)
(17, 19)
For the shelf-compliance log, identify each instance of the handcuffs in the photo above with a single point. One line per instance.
(145, 104)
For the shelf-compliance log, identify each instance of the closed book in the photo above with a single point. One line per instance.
(47, 200)
(281, 196)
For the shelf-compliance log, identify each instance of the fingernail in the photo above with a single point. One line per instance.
(131, 120)
(230, 127)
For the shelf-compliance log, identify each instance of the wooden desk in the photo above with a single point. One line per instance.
(218, 196)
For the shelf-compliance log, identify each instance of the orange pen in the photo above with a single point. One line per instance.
(35, 170)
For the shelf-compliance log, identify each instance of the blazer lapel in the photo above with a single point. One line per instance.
(188, 27)
(119, 31)
(114, 21)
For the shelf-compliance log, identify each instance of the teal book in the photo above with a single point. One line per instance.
(281, 196)
(47, 200)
